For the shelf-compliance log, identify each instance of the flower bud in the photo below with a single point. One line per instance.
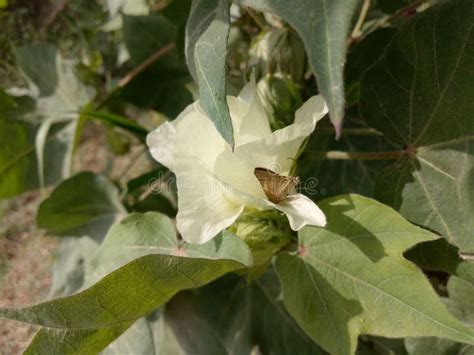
(278, 50)
(265, 233)
(281, 98)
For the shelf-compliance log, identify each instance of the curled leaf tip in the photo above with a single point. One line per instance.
(338, 129)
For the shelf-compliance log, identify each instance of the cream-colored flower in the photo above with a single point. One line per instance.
(215, 184)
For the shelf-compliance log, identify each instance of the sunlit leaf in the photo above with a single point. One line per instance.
(154, 233)
(94, 317)
(461, 304)
(350, 278)
(207, 31)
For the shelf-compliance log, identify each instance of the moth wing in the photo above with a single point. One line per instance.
(275, 186)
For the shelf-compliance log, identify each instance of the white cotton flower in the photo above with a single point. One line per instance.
(215, 184)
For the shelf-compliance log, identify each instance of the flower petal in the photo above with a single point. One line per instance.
(238, 175)
(278, 150)
(301, 211)
(161, 144)
(191, 134)
(312, 110)
(248, 115)
(204, 209)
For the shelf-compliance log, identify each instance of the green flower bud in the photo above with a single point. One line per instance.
(265, 232)
(278, 50)
(281, 98)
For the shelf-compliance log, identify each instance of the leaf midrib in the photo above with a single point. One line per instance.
(356, 279)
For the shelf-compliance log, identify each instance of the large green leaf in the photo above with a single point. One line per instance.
(419, 96)
(276, 331)
(228, 317)
(324, 27)
(125, 294)
(154, 233)
(207, 32)
(362, 55)
(148, 335)
(216, 319)
(85, 204)
(158, 267)
(350, 278)
(109, 306)
(461, 304)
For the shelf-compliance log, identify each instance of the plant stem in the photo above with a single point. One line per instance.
(356, 33)
(398, 13)
(352, 131)
(258, 21)
(145, 64)
(341, 155)
(467, 256)
(135, 72)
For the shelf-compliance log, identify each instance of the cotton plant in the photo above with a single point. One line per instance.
(217, 183)
(364, 276)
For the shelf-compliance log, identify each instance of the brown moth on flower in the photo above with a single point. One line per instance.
(277, 187)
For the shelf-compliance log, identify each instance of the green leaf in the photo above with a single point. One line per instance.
(461, 299)
(154, 233)
(19, 170)
(329, 177)
(350, 278)
(162, 86)
(362, 56)
(144, 35)
(145, 179)
(149, 335)
(60, 91)
(39, 65)
(213, 320)
(148, 243)
(229, 317)
(68, 270)
(51, 341)
(324, 27)
(390, 6)
(118, 121)
(276, 331)
(39, 137)
(85, 204)
(120, 298)
(419, 96)
(461, 304)
(207, 32)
